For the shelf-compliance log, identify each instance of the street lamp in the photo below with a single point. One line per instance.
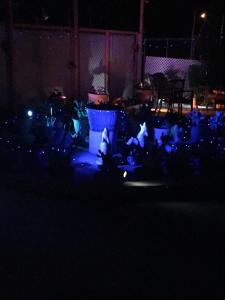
(203, 15)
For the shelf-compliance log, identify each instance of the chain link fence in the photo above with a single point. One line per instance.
(176, 47)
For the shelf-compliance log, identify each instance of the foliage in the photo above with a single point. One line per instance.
(99, 90)
(80, 109)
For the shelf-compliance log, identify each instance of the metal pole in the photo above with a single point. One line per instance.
(140, 40)
(222, 29)
(167, 47)
(75, 84)
(193, 36)
(107, 61)
(10, 53)
(77, 48)
(143, 62)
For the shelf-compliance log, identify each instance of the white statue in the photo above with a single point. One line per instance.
(104, 146)
(140, 139)
(50, 121)
(175, 134)
(77, 128)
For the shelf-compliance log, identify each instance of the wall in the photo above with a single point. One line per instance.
(44, 59)
(3, 69)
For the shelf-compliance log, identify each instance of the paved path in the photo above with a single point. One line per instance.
(63, 249)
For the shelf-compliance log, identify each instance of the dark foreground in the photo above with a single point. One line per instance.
(125, 244)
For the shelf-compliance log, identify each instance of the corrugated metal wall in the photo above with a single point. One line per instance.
(44, 59)
(41, 62)
(122, 65)
(92, 62)
(3, 68)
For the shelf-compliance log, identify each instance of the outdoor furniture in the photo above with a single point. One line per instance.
(161, 90)
(144, 95)
(180, 96)
(171, 92)
(217, 98)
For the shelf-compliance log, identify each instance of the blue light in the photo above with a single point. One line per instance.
(29, 113)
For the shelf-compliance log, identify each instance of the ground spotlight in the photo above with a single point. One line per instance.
(143, 184)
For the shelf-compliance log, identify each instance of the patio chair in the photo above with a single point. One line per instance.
(180, 96)
(162, 91)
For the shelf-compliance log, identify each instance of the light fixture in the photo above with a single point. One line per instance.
(30, 113)
(203, 15)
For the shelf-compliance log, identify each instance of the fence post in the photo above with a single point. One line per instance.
(140, 40)
(10, 54)
(75, 66)
(192, 50)
(107, 61)
(143, 62)
(167, 47)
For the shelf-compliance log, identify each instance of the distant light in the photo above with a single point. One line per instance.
(143, 183)
(125, 174)
(203, 15)
(29, 113)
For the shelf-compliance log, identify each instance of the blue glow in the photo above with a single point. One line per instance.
(98, 120)
(29, 113)
(168, 148)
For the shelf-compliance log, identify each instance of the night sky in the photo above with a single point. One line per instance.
(162, 18)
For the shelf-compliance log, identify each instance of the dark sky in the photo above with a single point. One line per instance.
(163, 18)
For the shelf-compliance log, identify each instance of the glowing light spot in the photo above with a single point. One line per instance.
(143, 184)
(203, 15)
(125, 174)
(29, 113)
